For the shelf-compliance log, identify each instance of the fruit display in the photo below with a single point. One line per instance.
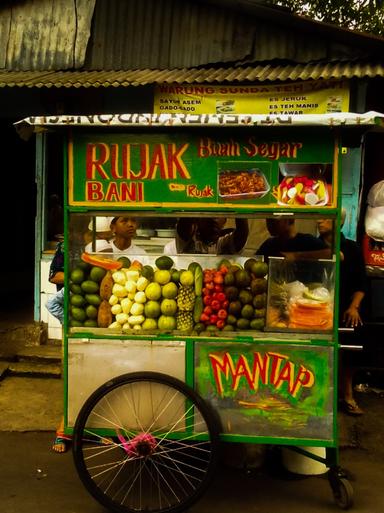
(125, 295)
(295, 305)
(84, 299)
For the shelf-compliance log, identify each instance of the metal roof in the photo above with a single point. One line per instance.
(166, 34)
(44, 34)
(262, 73)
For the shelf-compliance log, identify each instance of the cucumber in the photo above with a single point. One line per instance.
(198, 280)
(198, 309)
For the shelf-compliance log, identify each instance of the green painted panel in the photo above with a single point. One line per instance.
(205, 169)
(268, 390)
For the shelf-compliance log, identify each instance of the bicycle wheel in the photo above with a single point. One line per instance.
(145, 442)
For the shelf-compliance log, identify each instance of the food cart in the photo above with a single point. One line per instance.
(165, 357)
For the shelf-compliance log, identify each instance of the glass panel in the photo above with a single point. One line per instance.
(132, 273)
(300, 295)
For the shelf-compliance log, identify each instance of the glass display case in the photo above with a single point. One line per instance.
(301, 295)
(140, 292)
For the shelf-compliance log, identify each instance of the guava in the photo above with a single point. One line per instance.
(153, 291)
(166, 322)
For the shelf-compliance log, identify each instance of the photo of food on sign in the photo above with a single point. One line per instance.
(237, 183)
(225, 106)
(304, 185)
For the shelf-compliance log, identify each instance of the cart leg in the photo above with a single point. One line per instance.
(341, 488)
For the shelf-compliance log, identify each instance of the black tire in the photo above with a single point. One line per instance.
(145, 442)
(342, 493)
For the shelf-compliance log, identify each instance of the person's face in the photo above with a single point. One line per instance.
(220, 221)
(278, 227)
(124, 226)
(209, 229)
(325, 226)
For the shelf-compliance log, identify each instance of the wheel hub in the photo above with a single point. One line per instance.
(142, 445)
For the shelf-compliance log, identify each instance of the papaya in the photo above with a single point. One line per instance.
(104, 315)
(101, 261)
(106, 286)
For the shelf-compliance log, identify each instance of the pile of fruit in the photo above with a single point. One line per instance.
(125, 295)
(84, 284)
(234, 297)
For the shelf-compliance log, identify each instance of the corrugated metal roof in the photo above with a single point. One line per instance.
(45, 34)
(164, 34)
(140, 77)
(167, 34)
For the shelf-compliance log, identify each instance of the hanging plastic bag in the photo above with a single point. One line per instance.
(374, 223)
(376, 195)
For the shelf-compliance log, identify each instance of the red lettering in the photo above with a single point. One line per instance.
(94, 191)
(158, 161)
(112, 193)
(305, 378)
(260, 369)
(286, 374)
(94, 163)
(277, 360)
(175, 162)
(242, 370)
(115, 162)
(221, 365)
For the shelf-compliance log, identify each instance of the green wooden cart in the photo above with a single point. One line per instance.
(148, 404)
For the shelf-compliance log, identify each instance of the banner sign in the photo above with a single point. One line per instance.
(268, 390)
(309, 97)
(205, 169)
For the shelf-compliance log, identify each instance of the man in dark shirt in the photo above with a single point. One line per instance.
(286, 241)
(351, 293)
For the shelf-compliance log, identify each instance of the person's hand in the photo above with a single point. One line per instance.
(289, 255)
(351, 317)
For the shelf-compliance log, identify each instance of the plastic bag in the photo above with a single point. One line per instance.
(376, 195)
(374, 223)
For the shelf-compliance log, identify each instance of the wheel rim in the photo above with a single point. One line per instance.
(144, 445)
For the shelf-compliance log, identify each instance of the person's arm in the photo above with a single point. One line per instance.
(356, 267)
(307, 255)
(310, 248)
(56, 269)
(240, 234)
(351, 316)
(57, 278)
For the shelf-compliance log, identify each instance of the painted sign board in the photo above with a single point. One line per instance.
(305, 97)
(239, 168)
(267, 389)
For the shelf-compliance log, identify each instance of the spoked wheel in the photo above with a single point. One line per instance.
(145, 442)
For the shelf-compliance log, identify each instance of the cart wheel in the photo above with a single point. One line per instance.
(342, 491)
(145, 442)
